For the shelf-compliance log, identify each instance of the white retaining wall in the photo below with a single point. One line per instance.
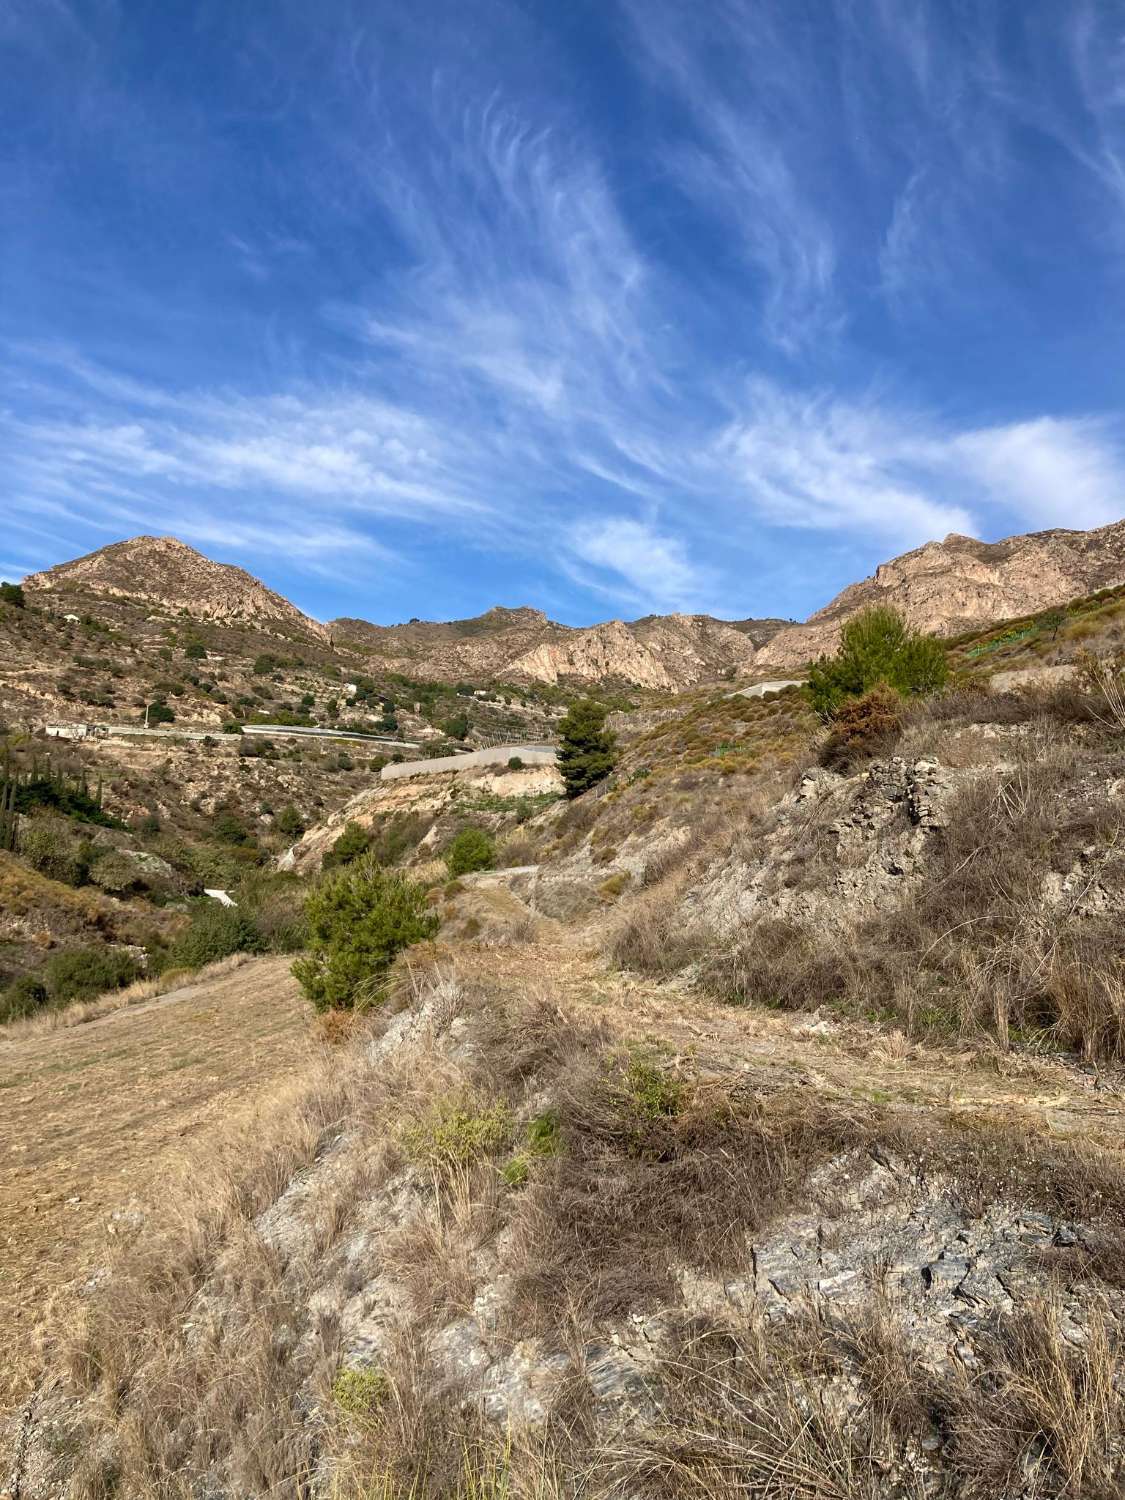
(497, 755)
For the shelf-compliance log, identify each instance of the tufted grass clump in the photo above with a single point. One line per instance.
(451, 1138)
(541, 1139)
(650, 1093)
(357, 1393)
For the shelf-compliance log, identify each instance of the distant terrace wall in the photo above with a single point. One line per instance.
(495, 755)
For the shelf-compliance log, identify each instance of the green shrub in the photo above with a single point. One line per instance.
(23, 997)
(49, 848)
(115, 872)
(228, 827)
(650, 1092)
(455, 728)
(587, 749)
(515, 763)
(160, 713)
(359, 919)
(348, 847)
(12, 593)
(875, 647)
(215, 932)
(82, 973)
(471, 849)
(195, 651)
(358, 1392)
(453, 1137)
(289, 822)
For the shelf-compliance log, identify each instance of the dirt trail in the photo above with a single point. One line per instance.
(839, 1058)
(93, 1114)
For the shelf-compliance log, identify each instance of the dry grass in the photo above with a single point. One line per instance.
(831, 1410)
(975, 946)
(62, 1018)
(210, 1356)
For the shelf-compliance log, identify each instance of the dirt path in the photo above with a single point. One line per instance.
(839, 1058)
(92, 1114)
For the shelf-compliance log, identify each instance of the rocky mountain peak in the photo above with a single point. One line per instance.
(960, 583)
(165, 572)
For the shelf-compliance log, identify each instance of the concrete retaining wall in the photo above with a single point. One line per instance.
(498, 755)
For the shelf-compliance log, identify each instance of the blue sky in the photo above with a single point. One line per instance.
(609, 306)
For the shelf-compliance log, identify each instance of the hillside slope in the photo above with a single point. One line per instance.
(951, 586)
(168, 573)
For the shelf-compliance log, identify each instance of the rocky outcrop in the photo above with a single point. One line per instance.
(663, 652)
(841, 845)
(167, 573)
(960, 583)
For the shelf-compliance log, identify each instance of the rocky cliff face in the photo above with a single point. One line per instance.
(950, 586)
(165, 572)
(659, 651)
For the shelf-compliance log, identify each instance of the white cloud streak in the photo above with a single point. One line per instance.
(517, 365)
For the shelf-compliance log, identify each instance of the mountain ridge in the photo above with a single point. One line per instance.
(946, 587)
(943, 587)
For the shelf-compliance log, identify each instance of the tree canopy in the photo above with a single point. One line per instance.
(588, 750)
(877, 646)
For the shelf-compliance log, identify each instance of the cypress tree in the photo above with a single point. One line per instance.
(588, 750)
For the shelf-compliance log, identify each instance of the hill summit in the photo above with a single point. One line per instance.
(959, 584)
(163, 571)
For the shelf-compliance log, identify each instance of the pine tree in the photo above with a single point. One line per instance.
(876, 646)
(588, 750)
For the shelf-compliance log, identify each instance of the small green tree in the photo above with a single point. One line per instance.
(12, 593)
(1052, 620)
(359, 919)
(160, 713)
(455, 728)
(876, 646)
(289, 822)
(588, 750)
(195, 651)
(471, 849)
(348, 847)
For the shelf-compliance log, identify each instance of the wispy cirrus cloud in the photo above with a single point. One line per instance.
(636, 309)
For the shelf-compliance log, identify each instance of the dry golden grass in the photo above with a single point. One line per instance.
(835, 1409)
(199, 1360)
(78, 1014)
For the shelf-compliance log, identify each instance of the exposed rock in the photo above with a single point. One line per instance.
(659, 651)
(950, 586)
(167, 572)
(869, 833)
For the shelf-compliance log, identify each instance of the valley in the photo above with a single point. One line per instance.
(731, 1103)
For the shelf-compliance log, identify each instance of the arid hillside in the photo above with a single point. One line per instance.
(167, 573)
(961, 584)
(753, 1125)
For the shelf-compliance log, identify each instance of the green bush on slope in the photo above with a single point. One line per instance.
(359, 919)
(876, 647)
